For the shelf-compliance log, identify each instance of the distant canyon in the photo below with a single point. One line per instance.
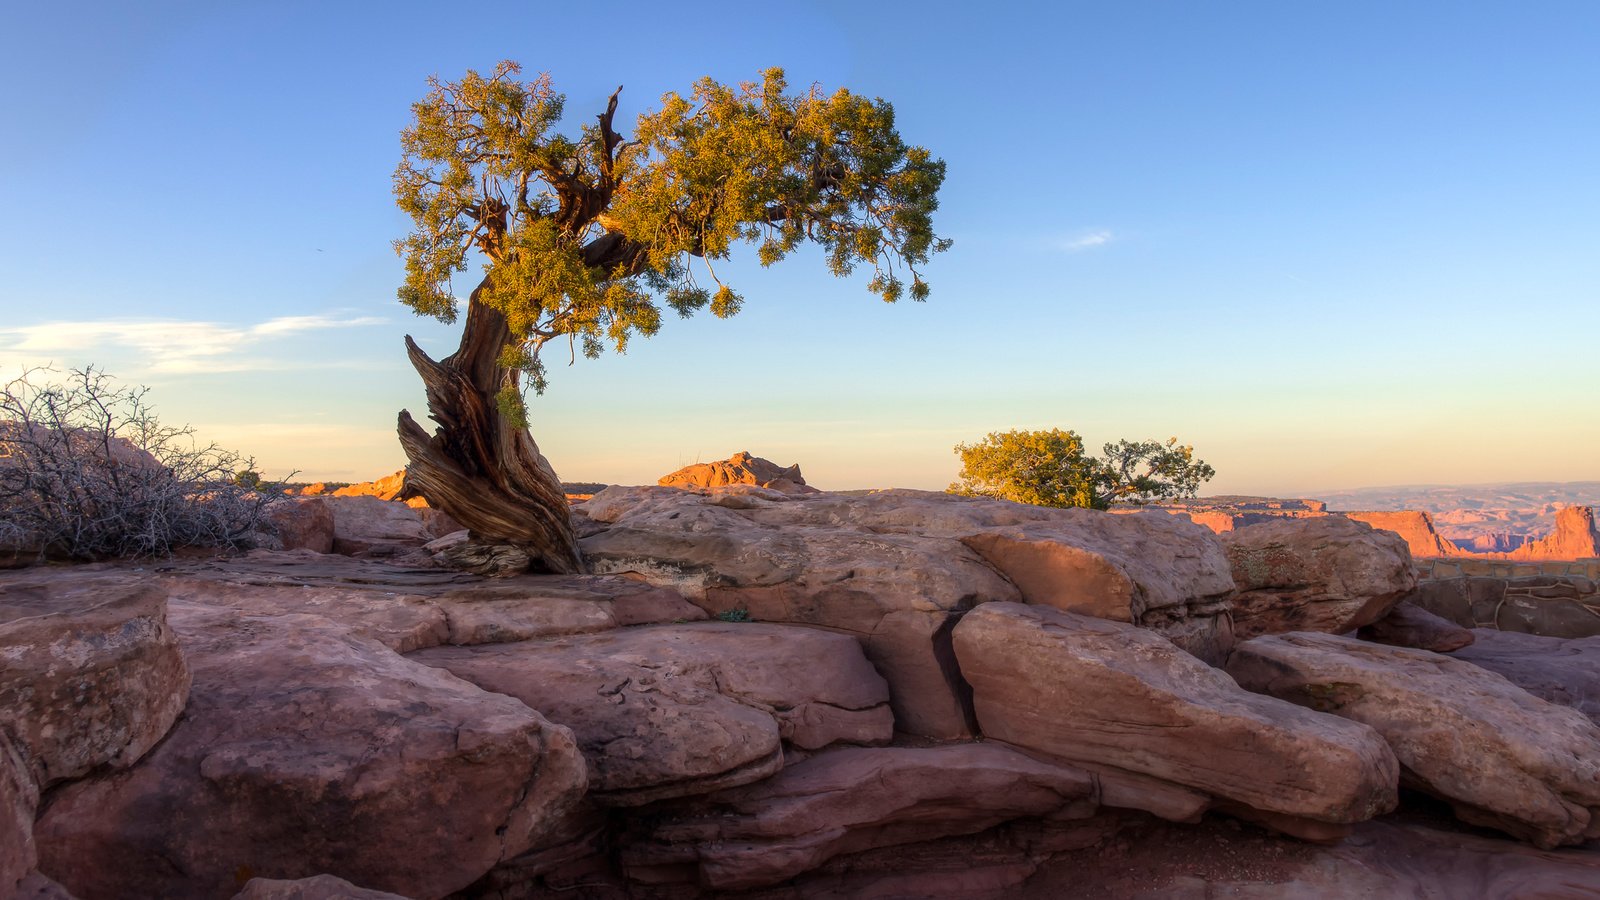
(1517, 521)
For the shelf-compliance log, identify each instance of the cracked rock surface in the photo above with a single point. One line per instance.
(666, 711)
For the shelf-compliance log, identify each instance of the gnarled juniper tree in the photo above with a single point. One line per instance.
(583, 239)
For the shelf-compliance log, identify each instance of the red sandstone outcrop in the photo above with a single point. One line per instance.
(306, 750)
(1414, 527)
(301, 523)
(368, 526)
(386, 488)
(1575, 537)
(1092, 691)
(899, 593)
(1499, 755)
(91, 677)
(38, 887)
(353, 524)
(668, 711)
(740, 468)
(1327, 574)
(1552, 605)
(414, 609)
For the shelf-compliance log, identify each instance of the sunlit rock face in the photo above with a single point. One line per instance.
(740, 468)
(1575, 537)
(1415, 527)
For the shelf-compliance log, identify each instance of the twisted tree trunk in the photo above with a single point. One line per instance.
(483, 470)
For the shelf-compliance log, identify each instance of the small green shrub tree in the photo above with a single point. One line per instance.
(1050, 468)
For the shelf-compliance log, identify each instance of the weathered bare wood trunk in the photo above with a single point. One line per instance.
(480, 468)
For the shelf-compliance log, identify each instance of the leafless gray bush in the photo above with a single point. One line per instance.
(88, 472)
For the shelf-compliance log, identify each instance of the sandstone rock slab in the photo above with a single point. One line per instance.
(1080, 688)
(411, 609)
(1408, 625)
(367, 526)
(1564, 671)
(92, 674)
(849, 800)
(669, 711)
(301, 523)
(1499, 755)
(1327, 573)
(308, 750)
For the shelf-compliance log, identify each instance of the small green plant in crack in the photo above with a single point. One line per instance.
(737, 614)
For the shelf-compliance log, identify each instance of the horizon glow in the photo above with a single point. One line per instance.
(1329, 248)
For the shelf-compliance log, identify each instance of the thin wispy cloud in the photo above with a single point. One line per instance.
(1086, 240)
(171, 346)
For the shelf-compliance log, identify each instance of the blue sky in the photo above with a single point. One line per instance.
(1330, 245)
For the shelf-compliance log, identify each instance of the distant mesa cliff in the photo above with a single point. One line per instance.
(1414, 525)
(1575, 537)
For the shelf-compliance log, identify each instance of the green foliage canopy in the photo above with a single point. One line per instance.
(1050, 468)
(585, 237)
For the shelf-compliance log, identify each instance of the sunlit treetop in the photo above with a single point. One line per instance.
(586, 237)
